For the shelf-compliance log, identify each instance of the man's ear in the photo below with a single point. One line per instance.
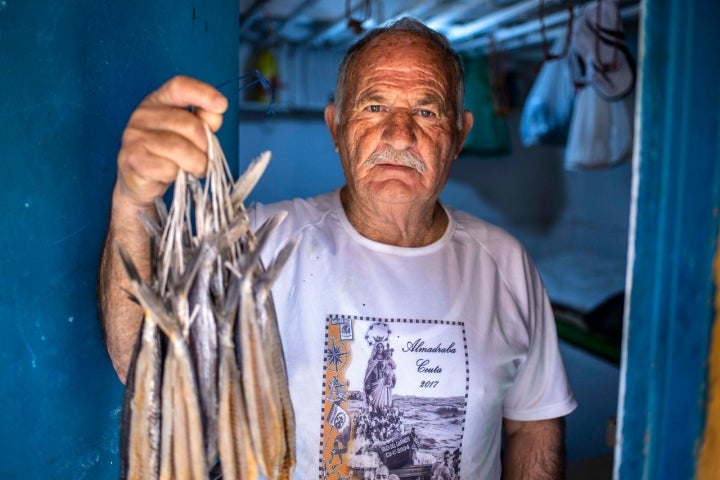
(330, 121)
(467, 123)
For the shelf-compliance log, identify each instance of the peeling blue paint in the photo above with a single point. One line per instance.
(70, 74)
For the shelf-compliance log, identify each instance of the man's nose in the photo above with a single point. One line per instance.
(399, 129)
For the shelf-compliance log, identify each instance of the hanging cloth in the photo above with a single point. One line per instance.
(490, 135)
(600, 43)
(601, 129)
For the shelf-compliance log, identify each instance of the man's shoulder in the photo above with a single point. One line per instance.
(476, 229)
(508, 254)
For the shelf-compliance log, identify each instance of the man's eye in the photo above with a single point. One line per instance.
(426, 113)
(374, 108)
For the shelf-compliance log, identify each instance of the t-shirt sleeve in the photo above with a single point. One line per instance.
(541, 389)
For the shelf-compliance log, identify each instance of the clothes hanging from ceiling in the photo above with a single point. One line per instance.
(601, 128)
(490, 135)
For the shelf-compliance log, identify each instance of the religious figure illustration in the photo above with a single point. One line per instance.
(380, 378)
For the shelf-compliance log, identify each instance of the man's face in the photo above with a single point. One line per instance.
(382, 473)
(399, 99)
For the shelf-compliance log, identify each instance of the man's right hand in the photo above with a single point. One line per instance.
(165, 134)
(162, 136)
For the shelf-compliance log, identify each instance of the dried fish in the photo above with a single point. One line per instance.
(234, 443)
(218, 391)
(274, 427)
(140, 430)
(181, 452)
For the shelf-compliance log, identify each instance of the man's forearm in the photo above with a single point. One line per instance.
(121, 317)
(534, 450)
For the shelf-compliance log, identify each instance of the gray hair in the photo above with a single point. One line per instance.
(409, 25)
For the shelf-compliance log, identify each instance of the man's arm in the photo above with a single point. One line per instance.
(534, 450)
(161, 137)
(121, 318)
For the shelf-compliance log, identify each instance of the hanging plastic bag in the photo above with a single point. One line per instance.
(490, 134)
(545, 118)
(600, 132)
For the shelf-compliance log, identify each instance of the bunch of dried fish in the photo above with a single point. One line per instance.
(207, 386)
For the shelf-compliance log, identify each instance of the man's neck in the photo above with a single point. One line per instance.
(403, 225)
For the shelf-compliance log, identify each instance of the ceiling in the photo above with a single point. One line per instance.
(470, 25)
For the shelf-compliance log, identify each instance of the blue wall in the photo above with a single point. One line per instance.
(70, 74)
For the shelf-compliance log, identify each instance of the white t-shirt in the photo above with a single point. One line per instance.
(410, 356)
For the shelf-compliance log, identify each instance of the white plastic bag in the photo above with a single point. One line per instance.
(548, 107)
(600, 132)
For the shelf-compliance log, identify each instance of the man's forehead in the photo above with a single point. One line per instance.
(402, 39)
(405, 54)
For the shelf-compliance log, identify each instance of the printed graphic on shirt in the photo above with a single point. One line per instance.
(395, 393)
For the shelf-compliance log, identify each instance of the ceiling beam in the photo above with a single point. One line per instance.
(528, 33)
(419, 9)
(491, 21)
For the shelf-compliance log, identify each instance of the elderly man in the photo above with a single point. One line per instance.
(457, 299)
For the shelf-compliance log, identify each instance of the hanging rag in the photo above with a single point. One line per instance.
(599, 42)
(490, 134)
(601, 128)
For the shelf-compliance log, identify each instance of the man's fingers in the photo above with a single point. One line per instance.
(148, 151)
(150, 159)
(213, 120)
(178, 149)
(188, 92)
(149, 118)
(164, 134)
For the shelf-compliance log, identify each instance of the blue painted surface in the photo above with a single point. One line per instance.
(70, 74)
(676, 217)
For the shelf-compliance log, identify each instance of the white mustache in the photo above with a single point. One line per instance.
(401, 158)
